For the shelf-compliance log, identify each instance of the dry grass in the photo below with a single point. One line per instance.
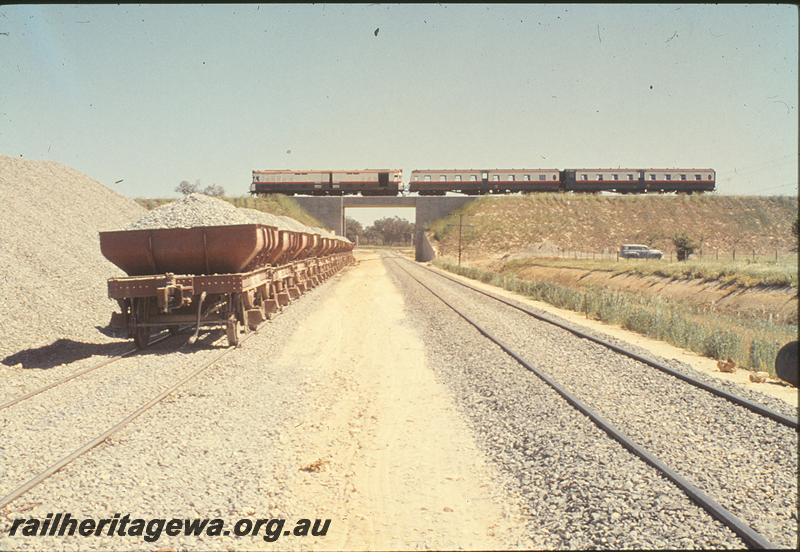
(597, 223)
(742, 273)
(751, 343)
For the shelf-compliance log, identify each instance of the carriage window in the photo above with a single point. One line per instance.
(668, 176)
(484, 176)
(458, 178)
(496, 177)
(527, 177)
(584, 177)
(511, 178)
(542, 177)
(555, 177)
(710, 177)
(683, 177)
(599, 177)
(652, 177)
(615, 176)
(473, 178)
(427, 178)
(698, 177)
(630, 177)
(416, 177)
(442, 178)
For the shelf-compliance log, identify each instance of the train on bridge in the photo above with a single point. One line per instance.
(389, 182)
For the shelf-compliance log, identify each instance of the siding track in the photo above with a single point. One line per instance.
(76, 374)
(53, 468)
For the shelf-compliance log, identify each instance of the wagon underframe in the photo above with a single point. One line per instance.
(166, 301)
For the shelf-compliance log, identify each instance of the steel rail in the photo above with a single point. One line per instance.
(751, 537)
(31, 483)
(762, 410)
(79, 373)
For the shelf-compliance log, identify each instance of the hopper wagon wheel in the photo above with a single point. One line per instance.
(141, 334)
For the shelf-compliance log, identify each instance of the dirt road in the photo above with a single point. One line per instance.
(386, 455)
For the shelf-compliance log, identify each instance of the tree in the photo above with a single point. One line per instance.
(214, 191)
(391, 230)
(186, 188)
(795, 231)
(683, 246)
(353, 230)
(372, 236)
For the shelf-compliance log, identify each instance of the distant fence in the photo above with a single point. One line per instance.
(744, 255)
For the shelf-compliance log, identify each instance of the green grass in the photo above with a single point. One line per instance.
(751, 343)
(275, 204)
(743, 273)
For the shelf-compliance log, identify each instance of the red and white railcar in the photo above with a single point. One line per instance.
(327, 182)
(609, 180)
(679, 180)
(483, 181)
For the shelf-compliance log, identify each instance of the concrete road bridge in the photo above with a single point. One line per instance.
(330, 211)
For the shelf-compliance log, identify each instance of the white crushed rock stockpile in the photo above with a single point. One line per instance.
(52, 274)
(202, 210)
(266, 218)
(192, 210)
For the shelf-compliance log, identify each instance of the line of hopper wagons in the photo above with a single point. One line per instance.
(389, 182)
(232, 277)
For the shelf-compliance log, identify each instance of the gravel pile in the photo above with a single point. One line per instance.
(581, 488)
(52, 275)
(747, 462)
(268, 219)
(202, 210)
(192, 210)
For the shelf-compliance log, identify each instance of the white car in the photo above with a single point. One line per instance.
(638, 251)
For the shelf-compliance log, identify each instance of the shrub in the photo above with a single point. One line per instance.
(762, 355)
(722, 344)
(683, 246)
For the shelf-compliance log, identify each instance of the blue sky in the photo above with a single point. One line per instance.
(152, 95)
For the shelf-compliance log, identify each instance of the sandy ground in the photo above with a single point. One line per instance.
(660, 348)
(389, 458)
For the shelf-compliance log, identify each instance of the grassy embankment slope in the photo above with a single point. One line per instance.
(742, 310)
(275, 204)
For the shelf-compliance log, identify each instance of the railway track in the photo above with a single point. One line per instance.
(65, 460)
(741, 527)
(77, 374)
(752, 406)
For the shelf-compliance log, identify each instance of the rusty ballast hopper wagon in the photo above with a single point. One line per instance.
(232, 276)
